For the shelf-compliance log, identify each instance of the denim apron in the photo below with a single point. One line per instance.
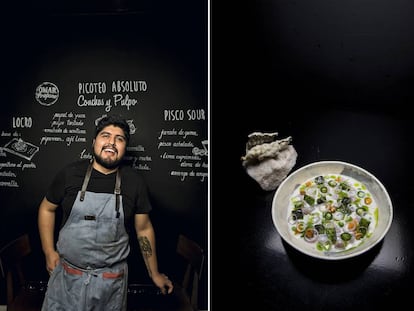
(93, 246)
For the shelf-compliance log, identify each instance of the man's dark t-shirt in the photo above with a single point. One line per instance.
(68, 182)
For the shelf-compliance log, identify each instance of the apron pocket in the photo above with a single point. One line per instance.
(107, 230)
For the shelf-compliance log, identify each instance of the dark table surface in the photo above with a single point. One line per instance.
(274, 276)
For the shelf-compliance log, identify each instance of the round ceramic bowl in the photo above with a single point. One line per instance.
(283, 196)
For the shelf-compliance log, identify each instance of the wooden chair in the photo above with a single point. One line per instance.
(188, 289)
(21, 296)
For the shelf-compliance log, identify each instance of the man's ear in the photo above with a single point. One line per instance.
(93, 142)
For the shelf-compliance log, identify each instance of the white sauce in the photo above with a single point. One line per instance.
(335, 212)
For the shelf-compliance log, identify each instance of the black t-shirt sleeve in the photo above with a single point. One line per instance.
(56, 190)
(143, 204)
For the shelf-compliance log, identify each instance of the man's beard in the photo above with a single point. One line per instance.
(107, 163)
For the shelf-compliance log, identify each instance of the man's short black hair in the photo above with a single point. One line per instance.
(115, 121)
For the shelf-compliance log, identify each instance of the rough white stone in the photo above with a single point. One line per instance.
(269, 173)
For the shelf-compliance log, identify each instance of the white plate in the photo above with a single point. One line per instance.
(280, 206)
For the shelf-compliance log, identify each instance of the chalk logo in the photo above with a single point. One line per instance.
(47, 93)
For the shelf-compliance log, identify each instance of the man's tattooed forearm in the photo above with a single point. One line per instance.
(146, 251)
(145, 246)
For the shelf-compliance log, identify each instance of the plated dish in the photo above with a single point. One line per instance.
(332, 210)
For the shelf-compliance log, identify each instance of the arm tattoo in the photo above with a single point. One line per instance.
(146, 251)
(145, 246)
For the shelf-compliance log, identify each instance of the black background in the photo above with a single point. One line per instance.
(336, 76)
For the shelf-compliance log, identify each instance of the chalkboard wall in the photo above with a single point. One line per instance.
(62, 71)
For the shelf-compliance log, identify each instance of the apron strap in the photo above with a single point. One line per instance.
(117, 192)
(86, 181)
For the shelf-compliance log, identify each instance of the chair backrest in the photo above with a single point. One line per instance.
(11, 257)
(193, 254)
